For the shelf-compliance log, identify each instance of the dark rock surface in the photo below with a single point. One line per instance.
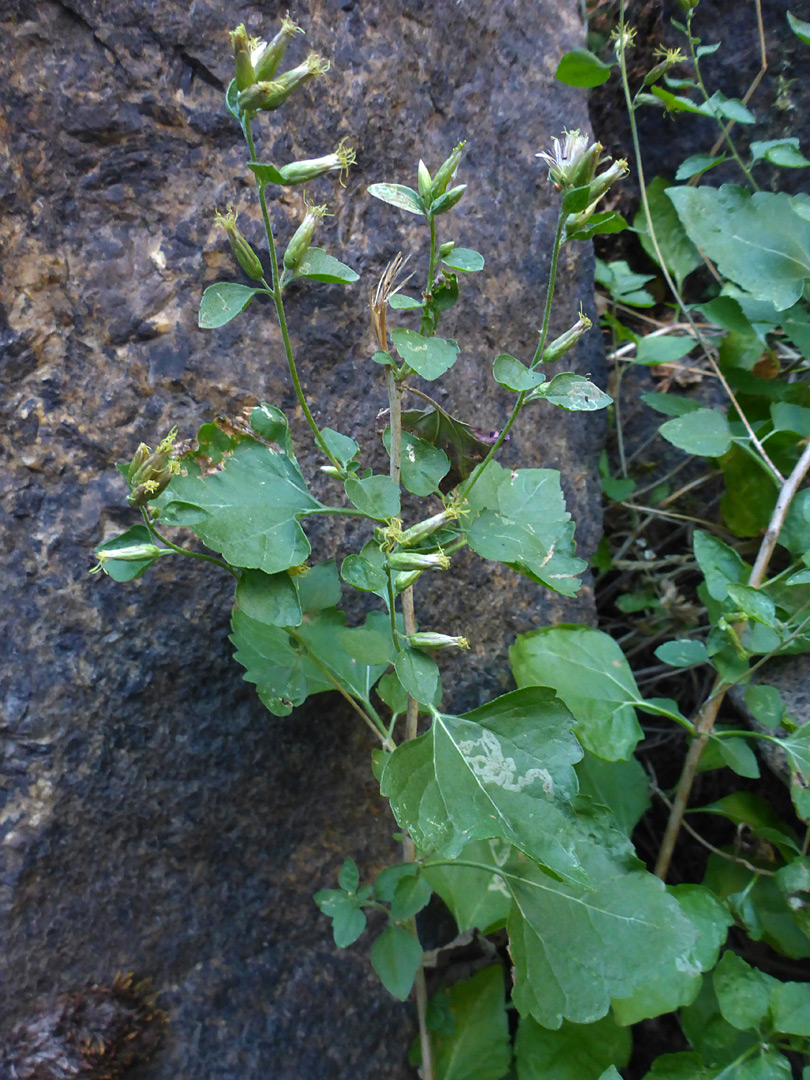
(154, 817)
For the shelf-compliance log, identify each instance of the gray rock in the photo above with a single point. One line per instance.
(155, 818)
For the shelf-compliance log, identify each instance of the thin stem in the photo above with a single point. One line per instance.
(395, 411)
(786, 496)
(183, 551)
(432, 260)
(541, 344)
(667, 276)
(276, 293)
(724, 132)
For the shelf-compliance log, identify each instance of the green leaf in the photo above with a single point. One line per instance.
(746, 808)
(697, 164)
(622, 786)
(387, 881)
(349, 876)
(248, 511)
(401, 302)
(222, 302)
(738, 755)
(120, 570)
(679, 254)
(623, 284)
(573, 951)
(765, 702)
(572, 1052)
(758, 241)
(422, 465)
(418, 674)
(344, 448)
(743, 992)
(503, 770)
(573, 392)
(710, 1033)
(410, 896)
(800, 28)
(364, 575)
(711, 919)
(665, 349)
(704, 432)
(476, 898)
(797, 748)
(511, 374)
(464, 259)
(575, 200)
(478, 1046)
(464, 446)
(266, 174)
(348, 921)
(269, 598)
(376, 496)
(601, 224)
(319, 587)
(787, 417)
(268, 421)
(588, 670)
(371, 644)
(753, 603)
(519, 518)
(429, 357)
(682, 653)
(581, 68)
(396, 956)
(782, 152)
(404, 198)
(790, 1002)
(316, 265)
(670, 404)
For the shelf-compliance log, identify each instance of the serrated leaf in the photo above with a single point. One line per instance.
(376, 496)
(121, 570)
(429, 357)
(519, 518)
(398, 195)
(465, 260)
(348, 923)
(704, 432)
(573, 392)
(248, 511)
(589, 672)
(396, 956)
(758, 241)
(222, 302)
(317, 265)
(422, 465)
(682, 653)
(580, 67)
(511, 374)
(572, 1052)
(504, 770)
(418, 674)
(269, 598)
(573, 951)
(679, 254)
(478, 1046)
(372, 643)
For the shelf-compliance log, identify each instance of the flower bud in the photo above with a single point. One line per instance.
(448, 200)
(245, 75)
(267, 58)
(302, 237)
(245, 255)
(131, 553)
(331, 470)
(424, 181)
(412, 560)
(404, 581)
(437, 641)
(567, 340)
(601, 184)
(445, 249)
(273, 94)
(148, 473)
(446, 172)
(139, 459)
(423, 529)
(300, 172)
(257, 96)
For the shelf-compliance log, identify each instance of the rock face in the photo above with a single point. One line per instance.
(155, 818)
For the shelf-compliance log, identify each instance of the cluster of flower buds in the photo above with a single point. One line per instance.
(245, 255)
(572, 166)
(434, 190)
(149, 473)
(258, 83)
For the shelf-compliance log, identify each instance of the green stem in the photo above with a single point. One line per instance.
(541, 344)
(432, 260)
(276, 293)
(392, 608)
(723, 130)
(183, 551)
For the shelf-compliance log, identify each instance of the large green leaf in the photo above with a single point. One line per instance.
(572, 1052)
(376, 496)
(758, 240)
(430, 357)
(269, 598)
(622, 786)
(248, 510)
(518, 517)
(503, 770)
(704, 432)
(680, 255)
(463, 445)
(287, 666)
(588, 670)
(478, 1048)
(582, 68)
(573, 950)
(477, 898)
(573, 392)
